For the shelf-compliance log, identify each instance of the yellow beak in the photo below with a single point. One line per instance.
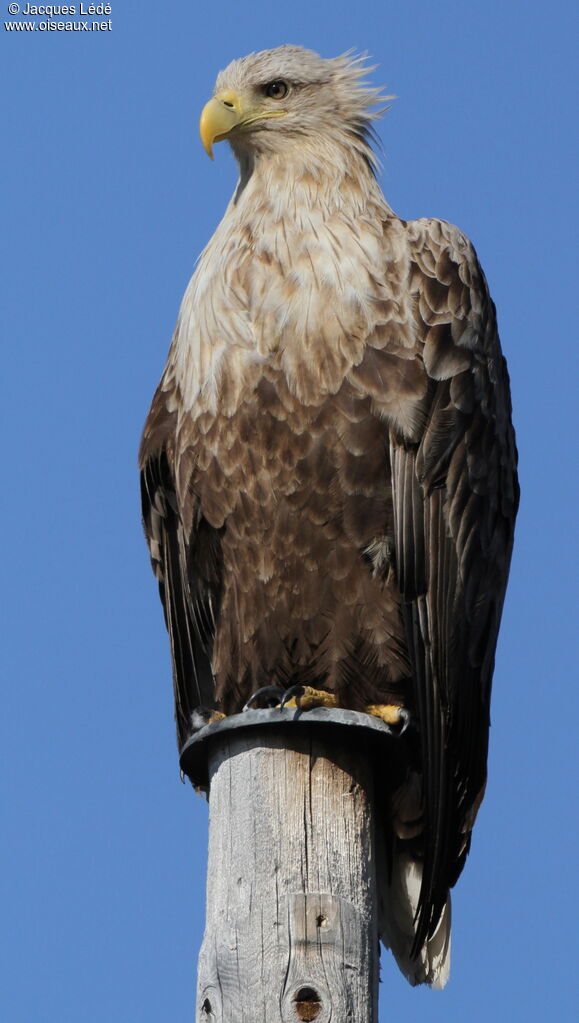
(218, 118)
(226, 112)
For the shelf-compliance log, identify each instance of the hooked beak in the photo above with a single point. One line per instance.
(220, 116)
(228, 113)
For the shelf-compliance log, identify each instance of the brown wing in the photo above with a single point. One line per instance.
(186, 561)
(455, 498)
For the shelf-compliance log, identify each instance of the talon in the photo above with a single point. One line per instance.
(390, 713)
(268, 696)
(203, 716)
(306, 698)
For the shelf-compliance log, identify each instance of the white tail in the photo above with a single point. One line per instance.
(398, 904)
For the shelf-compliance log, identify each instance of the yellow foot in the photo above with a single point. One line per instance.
(215, 716)
(306, 698)
(391, 713)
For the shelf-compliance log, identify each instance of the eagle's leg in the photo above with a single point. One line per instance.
(390, 713)
(268, 696)
(306, 698)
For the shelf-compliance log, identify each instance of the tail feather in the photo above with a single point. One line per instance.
(398, 918)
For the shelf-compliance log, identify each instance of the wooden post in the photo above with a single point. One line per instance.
(291, 924)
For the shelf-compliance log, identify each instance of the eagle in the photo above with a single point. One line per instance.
(328, 466)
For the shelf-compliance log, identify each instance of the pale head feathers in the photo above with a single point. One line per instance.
(290, 276)
(327, 101)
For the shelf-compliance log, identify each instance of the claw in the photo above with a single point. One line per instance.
(390, 713)
(268, 696)
(306, 698)
(203, 716)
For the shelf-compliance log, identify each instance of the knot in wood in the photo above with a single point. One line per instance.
(308, 1004)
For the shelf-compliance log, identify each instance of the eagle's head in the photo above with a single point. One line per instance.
(273, 101)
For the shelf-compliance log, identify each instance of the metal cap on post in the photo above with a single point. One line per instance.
(291, 920)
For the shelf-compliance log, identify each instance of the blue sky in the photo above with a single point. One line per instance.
(108, 198)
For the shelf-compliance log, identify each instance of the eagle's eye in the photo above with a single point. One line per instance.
(277, 89)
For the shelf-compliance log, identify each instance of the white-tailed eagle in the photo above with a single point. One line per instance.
(329, 467)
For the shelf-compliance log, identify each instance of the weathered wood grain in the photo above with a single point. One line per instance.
(291, 896)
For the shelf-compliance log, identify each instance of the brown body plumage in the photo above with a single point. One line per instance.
(328, 467)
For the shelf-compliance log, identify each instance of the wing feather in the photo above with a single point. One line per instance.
(455, 496)
(187, 564)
